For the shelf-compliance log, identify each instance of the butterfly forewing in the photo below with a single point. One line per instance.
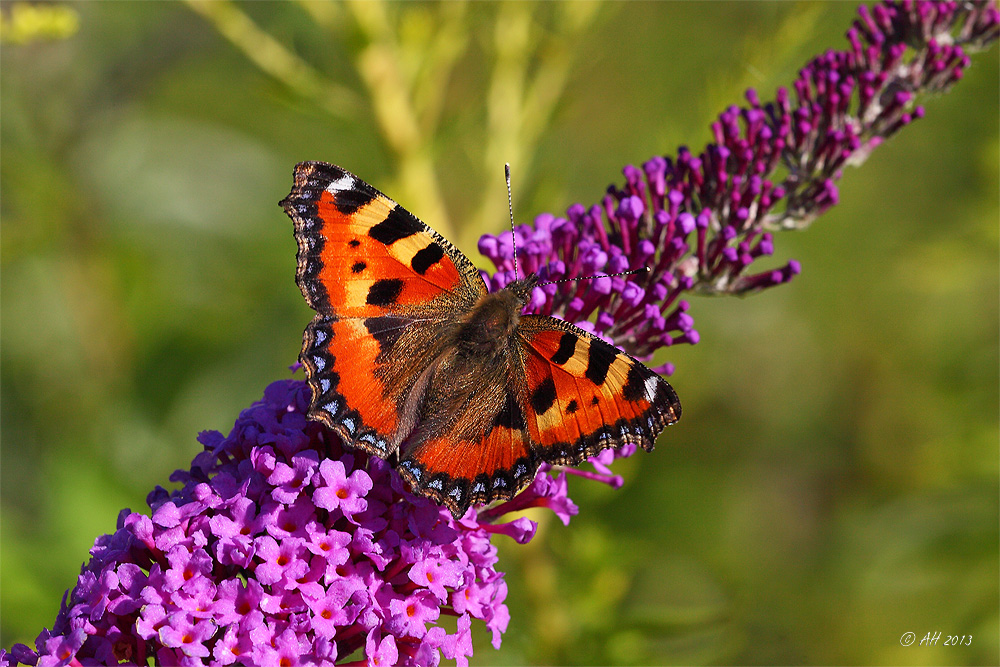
(586, 395)
(362, 255)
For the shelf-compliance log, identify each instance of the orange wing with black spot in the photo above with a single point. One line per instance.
(384, 286)
(586, 395)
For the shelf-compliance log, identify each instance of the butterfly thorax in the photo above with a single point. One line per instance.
(522, 288)
(491, 322)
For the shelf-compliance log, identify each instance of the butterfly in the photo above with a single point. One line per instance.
(410, 358)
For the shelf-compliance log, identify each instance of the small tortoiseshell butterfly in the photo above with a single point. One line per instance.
(410, 355)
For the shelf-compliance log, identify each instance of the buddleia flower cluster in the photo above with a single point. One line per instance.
(282, 546)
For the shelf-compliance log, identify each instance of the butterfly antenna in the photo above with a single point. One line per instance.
(644, 269)
(513, 240)
(510, 207)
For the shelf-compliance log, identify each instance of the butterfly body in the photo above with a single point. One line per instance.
(412, 359)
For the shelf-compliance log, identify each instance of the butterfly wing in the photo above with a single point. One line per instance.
(483, 454)
(586, 395)
(363, 255)
(384, 286)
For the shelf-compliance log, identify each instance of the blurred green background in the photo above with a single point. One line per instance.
(834, 481)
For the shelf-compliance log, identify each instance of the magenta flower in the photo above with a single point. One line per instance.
(232, 646)
(459, 645)
(339, 491)
(381, 653)
(436, 576)
(290, 479)
(282, 546)
(182, 632)
(331, 608)
(410, 615)
(280, 563)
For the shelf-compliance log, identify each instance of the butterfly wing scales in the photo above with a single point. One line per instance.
(358, 386)
(363, 255)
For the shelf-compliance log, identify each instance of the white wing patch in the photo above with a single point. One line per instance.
(345, 182)
(651, 383)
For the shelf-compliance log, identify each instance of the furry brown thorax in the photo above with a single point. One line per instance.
(494, 318)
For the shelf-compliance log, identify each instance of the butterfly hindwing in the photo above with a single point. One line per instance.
(586, 395)
(361, 372)
(563, 396)
(459, 469)
(383, 285)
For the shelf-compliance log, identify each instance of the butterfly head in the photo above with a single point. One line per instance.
(522, 287)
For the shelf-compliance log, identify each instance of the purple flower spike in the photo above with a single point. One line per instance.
(700, 223)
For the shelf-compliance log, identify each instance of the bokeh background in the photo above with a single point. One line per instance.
(834, 481)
